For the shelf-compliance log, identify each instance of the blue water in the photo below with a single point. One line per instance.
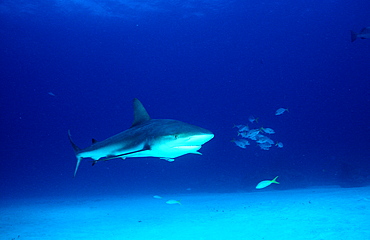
(78, 64)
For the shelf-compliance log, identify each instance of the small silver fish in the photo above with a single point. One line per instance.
(242, 128)
(279, 144)
(243, 134)
(173, 202)
(281, 111)
(265, 145)
(268, 130)
(261, 138)
(241, 142)
(253, 133)
(253, 119)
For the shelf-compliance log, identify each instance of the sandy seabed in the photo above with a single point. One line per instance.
(313, 213)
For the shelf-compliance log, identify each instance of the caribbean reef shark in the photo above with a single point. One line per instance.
(162, 138)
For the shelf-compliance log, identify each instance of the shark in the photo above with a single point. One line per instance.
(363, 34)
(161, 138)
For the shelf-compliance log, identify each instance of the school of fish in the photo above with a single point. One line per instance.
(259, 135)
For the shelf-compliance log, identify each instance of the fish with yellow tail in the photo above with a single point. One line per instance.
(281, 111)
(266, 183)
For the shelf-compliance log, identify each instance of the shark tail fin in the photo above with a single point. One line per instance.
(353, 36)
(77, 165)
(76, 149)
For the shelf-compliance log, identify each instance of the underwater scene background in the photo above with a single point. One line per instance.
(77, 65)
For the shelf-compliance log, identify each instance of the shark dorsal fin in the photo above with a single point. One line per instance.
(93, 141)
(140, 114)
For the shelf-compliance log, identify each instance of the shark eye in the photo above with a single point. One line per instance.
(176, 136)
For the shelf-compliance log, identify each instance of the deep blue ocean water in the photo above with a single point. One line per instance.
(77, 65)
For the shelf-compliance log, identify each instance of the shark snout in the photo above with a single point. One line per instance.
(200, 139)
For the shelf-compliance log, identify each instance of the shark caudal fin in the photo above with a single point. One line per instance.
(353, 36)
(76, 149)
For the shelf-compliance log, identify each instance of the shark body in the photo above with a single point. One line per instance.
(162, 138)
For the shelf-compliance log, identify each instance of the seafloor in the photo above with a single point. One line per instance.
(312, 213)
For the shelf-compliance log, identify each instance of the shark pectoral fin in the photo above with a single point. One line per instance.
(123, 155)
(197, 153)
(168, 159)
